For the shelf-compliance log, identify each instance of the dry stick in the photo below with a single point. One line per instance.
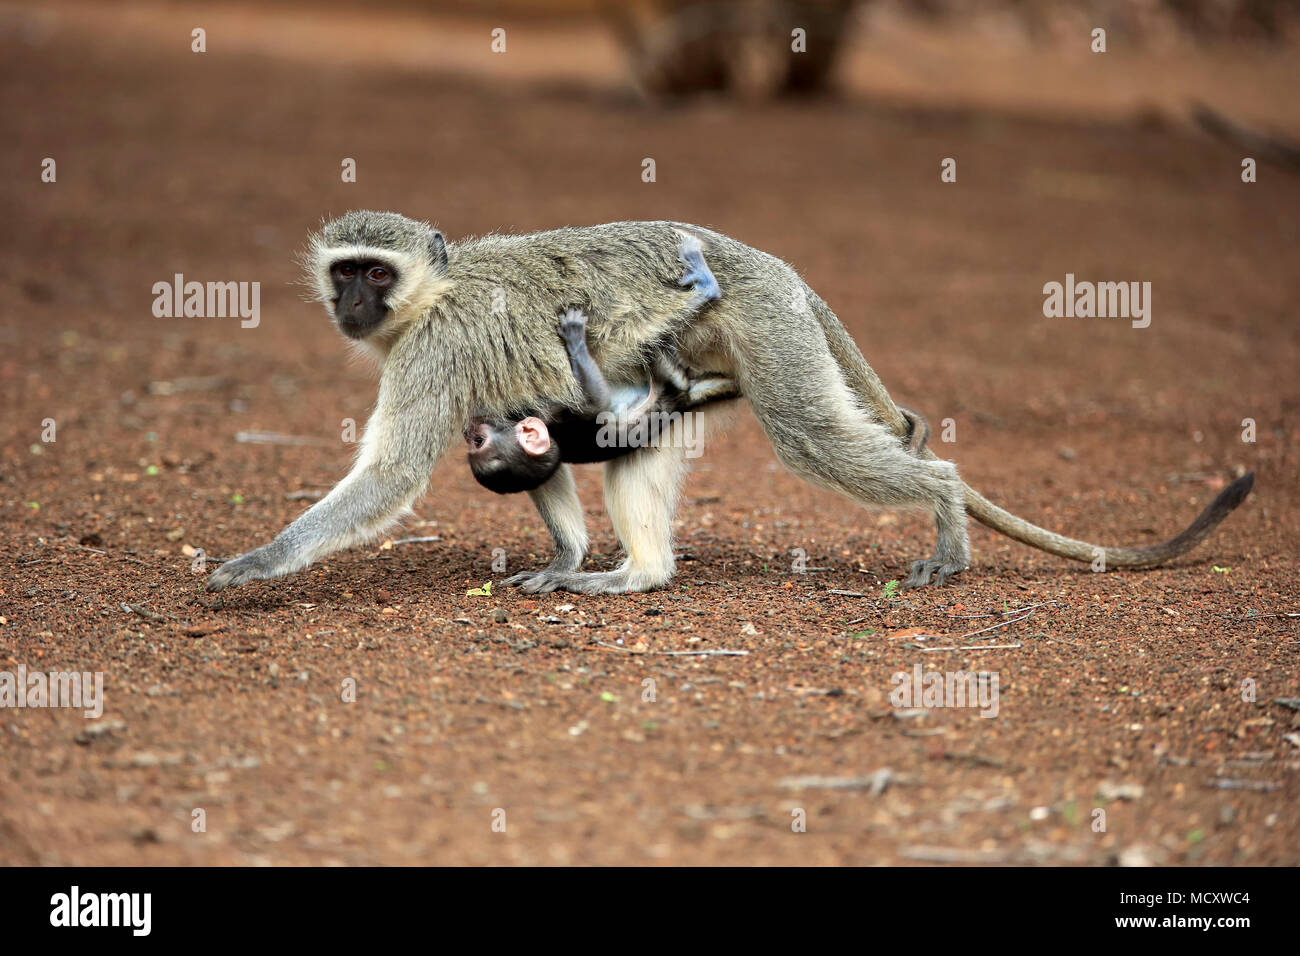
(275, 438)
(146, 613)
(1017, 610)
(120, 557)
(970, 647)
(676, 653)
(417, 540)
(993, 627)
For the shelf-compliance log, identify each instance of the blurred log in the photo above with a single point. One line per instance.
(680, 47)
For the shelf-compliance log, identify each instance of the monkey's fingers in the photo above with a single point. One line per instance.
(255, 565)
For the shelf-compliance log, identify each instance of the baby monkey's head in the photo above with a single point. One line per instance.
(511, 456)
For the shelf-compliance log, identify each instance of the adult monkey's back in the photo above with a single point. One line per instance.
(472, 326)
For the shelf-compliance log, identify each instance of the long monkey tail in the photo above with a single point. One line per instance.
(871, 391)
(987, 513)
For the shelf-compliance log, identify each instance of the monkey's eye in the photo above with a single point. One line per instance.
(378, 275)
(347, 270)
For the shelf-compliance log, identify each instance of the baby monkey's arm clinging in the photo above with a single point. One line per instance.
(670, 388)
(595, 389)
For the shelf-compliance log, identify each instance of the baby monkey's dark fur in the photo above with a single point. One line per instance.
(509, 455)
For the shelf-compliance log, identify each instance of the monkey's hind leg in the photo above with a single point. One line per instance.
(821, 433)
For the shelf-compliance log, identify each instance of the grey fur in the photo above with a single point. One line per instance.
(446, 351)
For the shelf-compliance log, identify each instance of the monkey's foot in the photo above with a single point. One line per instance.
(698, 274)
(940, 568)
(256, 565)
(573, 327)
(620, 581)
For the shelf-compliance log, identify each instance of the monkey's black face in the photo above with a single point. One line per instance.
(360, 291)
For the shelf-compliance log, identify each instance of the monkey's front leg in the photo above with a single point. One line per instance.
(359, 507)
(641, 491)
(557, 502)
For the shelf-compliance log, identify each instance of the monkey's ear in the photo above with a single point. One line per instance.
(437, 250)
(532, 436)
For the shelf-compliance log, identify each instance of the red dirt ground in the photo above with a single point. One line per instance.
(218, 166)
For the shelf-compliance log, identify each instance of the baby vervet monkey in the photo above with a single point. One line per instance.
(520, 454)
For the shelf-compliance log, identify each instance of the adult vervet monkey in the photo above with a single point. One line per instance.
(472, 326)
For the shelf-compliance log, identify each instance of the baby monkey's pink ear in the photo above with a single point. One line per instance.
(532, 436)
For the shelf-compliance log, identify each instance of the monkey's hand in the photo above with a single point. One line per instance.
(257, 565)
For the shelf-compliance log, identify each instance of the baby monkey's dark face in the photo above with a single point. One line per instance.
(507, 457)
(360, 294)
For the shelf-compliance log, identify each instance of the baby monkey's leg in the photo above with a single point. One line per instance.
(671, 372)
(918, 431)
(698, 275)
(715, 388)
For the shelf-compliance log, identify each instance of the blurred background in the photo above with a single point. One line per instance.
(216, 164)
(210, 139)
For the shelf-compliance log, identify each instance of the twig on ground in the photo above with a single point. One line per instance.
(875, 783)
(700, 653)
(275, 438)
(1030, 607)
(993, 627)
(148, 614)
(198, 383)
(970, 647)
(1232, 783)
(943, 854)
(119, 557)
